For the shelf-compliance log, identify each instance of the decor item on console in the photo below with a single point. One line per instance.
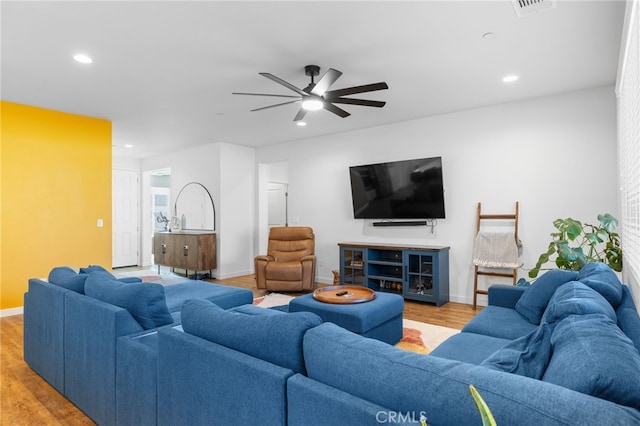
(601, 242)
(290, 262)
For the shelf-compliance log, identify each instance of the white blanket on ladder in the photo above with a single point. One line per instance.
(495, 250)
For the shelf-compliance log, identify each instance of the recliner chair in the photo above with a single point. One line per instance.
(290, 262)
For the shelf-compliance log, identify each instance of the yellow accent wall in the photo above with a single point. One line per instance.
(55, 180)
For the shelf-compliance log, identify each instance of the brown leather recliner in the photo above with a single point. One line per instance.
(290, 263)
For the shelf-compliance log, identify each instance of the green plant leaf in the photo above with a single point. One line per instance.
(574, 238)
(483, 408)
(608, 222)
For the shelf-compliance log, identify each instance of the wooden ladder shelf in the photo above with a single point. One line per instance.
(477, 271)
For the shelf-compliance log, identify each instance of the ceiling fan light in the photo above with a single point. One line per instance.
(312, 104)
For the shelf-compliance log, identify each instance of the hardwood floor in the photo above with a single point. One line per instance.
(26, 399)
(454, 315)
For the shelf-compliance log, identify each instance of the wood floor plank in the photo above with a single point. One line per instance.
(26, 399)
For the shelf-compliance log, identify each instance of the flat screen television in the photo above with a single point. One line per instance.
(409, 189)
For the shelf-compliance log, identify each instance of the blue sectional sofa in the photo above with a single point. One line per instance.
(561, 352)
(84, 333)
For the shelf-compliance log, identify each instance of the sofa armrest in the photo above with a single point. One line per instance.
(505, 296)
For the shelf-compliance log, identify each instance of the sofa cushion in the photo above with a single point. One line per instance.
(94, 268)
(222, 295)
(628, 319)
(66, 277)
(535, 298)
(471, 348)
(575, 298)
(602, 279)
(273, 336)
(491, 322)
(145, 301)
(591, 355)
(527, 356)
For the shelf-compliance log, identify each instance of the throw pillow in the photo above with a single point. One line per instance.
(591, 355)
(270, 335)
(535, 298)
(93, 268)
(527, 356)
(602, 279)
(575, 298)
(66, 277)
(144, 301)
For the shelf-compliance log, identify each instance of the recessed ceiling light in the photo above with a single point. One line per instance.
(82, 58)
(128, 145)
(510, 78)
(301, 123)
(488, 36)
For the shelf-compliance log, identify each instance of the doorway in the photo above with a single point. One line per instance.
(277, 204)
(125, 217)
(156, 209)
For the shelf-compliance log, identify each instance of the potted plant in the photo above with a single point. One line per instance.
(576, 244)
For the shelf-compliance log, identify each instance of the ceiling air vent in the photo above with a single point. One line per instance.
(529, 7)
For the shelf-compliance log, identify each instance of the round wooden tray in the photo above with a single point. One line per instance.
(354, 294)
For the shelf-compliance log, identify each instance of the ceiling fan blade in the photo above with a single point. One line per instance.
(265, 94)
(355, 89)
(276, 105)
(326, 81)
(300, 115)
(362, 102)
(334, 109)
(283, 83)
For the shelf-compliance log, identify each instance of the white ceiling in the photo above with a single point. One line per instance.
(163, 72)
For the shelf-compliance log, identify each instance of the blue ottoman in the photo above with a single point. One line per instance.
(379, 319)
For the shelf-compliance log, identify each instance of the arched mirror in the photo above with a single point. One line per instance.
(194, 208)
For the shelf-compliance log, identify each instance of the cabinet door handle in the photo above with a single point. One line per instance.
(164, 248)
(185, 250)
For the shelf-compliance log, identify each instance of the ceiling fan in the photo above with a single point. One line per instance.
(317, 96)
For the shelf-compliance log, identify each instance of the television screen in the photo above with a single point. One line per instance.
(409, 189)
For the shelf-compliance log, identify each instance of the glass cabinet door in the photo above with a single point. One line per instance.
(420, 274)
(352, 268)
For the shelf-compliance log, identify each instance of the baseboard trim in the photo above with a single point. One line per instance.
(11, 312)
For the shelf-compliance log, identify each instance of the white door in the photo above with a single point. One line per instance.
(126, 217)
(277, 204)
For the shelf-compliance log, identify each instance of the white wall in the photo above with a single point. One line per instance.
(237, 210)
(555, 155)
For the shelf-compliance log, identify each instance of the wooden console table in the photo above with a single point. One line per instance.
(188, 250)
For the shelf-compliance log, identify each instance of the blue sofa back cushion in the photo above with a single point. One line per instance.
(144, 301)
(535, 298)
(575, 298)
(94, 268)
(274, 336)
(628, 319)
(527, 356)
(66, 277)
(602, 279)
(591, 355)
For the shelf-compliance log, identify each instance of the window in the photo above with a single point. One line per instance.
(628, 91)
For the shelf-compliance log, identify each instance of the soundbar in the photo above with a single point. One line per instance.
(403, 223)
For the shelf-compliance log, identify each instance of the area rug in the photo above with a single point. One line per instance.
(417, 336)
